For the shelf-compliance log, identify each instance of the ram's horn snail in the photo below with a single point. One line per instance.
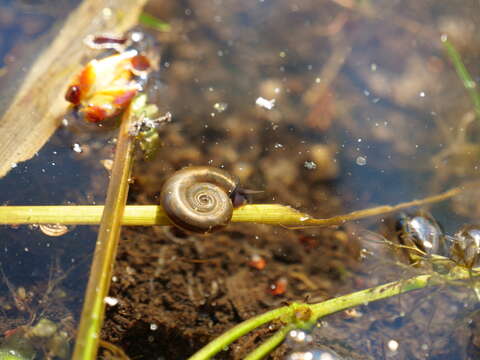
(199, 198)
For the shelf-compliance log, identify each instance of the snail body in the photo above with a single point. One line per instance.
(421, 231)
(199, 198)
(465, 249)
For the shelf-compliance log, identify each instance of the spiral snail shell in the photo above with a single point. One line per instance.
(198, 198)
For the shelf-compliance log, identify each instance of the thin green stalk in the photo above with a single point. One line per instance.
(463, 73)
(152, 22)
(269, 345)
(241, 329)
(91, 321)
(295, 314)
(147, 215)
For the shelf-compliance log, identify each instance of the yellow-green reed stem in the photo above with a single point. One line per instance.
(147, 215)
(294, 315)
(91, 321)
(463, 73)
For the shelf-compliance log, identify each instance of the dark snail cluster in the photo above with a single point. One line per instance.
(200, 199)
(421, 231)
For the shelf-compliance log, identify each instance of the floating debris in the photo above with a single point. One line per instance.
(44, 328)
(267, 104)
(361, 161)
(309, 165)
(393, 345)
(352, 313)
(257, 262)
(77, 148)
(279, 287)
(220, 107)
(107, 164)
(111, 301)
(106, 41)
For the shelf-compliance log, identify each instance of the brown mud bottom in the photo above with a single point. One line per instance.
(177, 292)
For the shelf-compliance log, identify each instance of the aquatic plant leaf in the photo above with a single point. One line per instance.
(36, 109)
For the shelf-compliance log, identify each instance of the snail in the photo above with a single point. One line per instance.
(421, 231)
(465, 248)
(200, 199)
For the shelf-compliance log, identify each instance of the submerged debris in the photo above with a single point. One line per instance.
(105, 87)
(267, 104)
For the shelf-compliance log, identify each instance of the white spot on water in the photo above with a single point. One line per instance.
(310, 165)
(111, 301)
(267, 104)
(220, 107)
(361, 161)
(393, 345)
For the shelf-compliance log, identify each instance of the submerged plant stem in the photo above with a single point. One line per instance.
(241, 329)
(147, 215)
(88, 335)
(463, 73)
(319, 310)
(269, 345)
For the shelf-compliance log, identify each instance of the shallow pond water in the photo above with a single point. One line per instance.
(327, 106)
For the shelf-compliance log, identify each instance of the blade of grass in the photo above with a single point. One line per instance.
(88, 335)
(152, 22)
(147, 215)
(463, 73)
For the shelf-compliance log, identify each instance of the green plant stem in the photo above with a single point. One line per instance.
(233, 334)
(269, 345)
(152, 22)
(91, 321)
(463, 73)
(322, 309)
(147, 215)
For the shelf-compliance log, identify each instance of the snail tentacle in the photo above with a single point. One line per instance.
(198, 198)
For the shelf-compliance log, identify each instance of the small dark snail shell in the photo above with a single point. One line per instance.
(199, 198)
